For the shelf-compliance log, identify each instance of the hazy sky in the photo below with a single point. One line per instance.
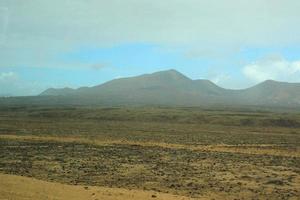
(59, 43)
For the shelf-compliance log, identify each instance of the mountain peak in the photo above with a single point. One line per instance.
(270, 81)
(171, 73)
(170, 87)
(275, 83)
(58, 92)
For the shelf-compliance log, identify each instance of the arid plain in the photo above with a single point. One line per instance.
(148, 153)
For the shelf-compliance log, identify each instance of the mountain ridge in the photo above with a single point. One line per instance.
(162, 74)
(269, 81)
(173, 88)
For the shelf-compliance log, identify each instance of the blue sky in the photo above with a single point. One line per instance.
(235, 44)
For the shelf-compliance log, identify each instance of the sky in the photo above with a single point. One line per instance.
(73, 43)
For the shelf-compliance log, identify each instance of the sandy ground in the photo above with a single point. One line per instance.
(23, 188)
(14, 187)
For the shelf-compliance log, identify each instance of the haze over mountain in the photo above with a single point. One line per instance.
(173, 88)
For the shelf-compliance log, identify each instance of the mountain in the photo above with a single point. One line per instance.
(272, 93)
(170, 88)
(57, 92)
(163, 88)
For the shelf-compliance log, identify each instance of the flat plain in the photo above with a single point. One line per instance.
(149, 152)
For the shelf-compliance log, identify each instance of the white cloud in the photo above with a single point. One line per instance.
(273, 68)
(8, 77)
(11, 84)
(220, 79)
(64, 25)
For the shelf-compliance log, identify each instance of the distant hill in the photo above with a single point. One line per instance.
(160, 88)
(272, 93)
(171, 88)
(57, 92)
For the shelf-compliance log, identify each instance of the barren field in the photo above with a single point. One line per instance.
(154, 153)
(16, 187)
